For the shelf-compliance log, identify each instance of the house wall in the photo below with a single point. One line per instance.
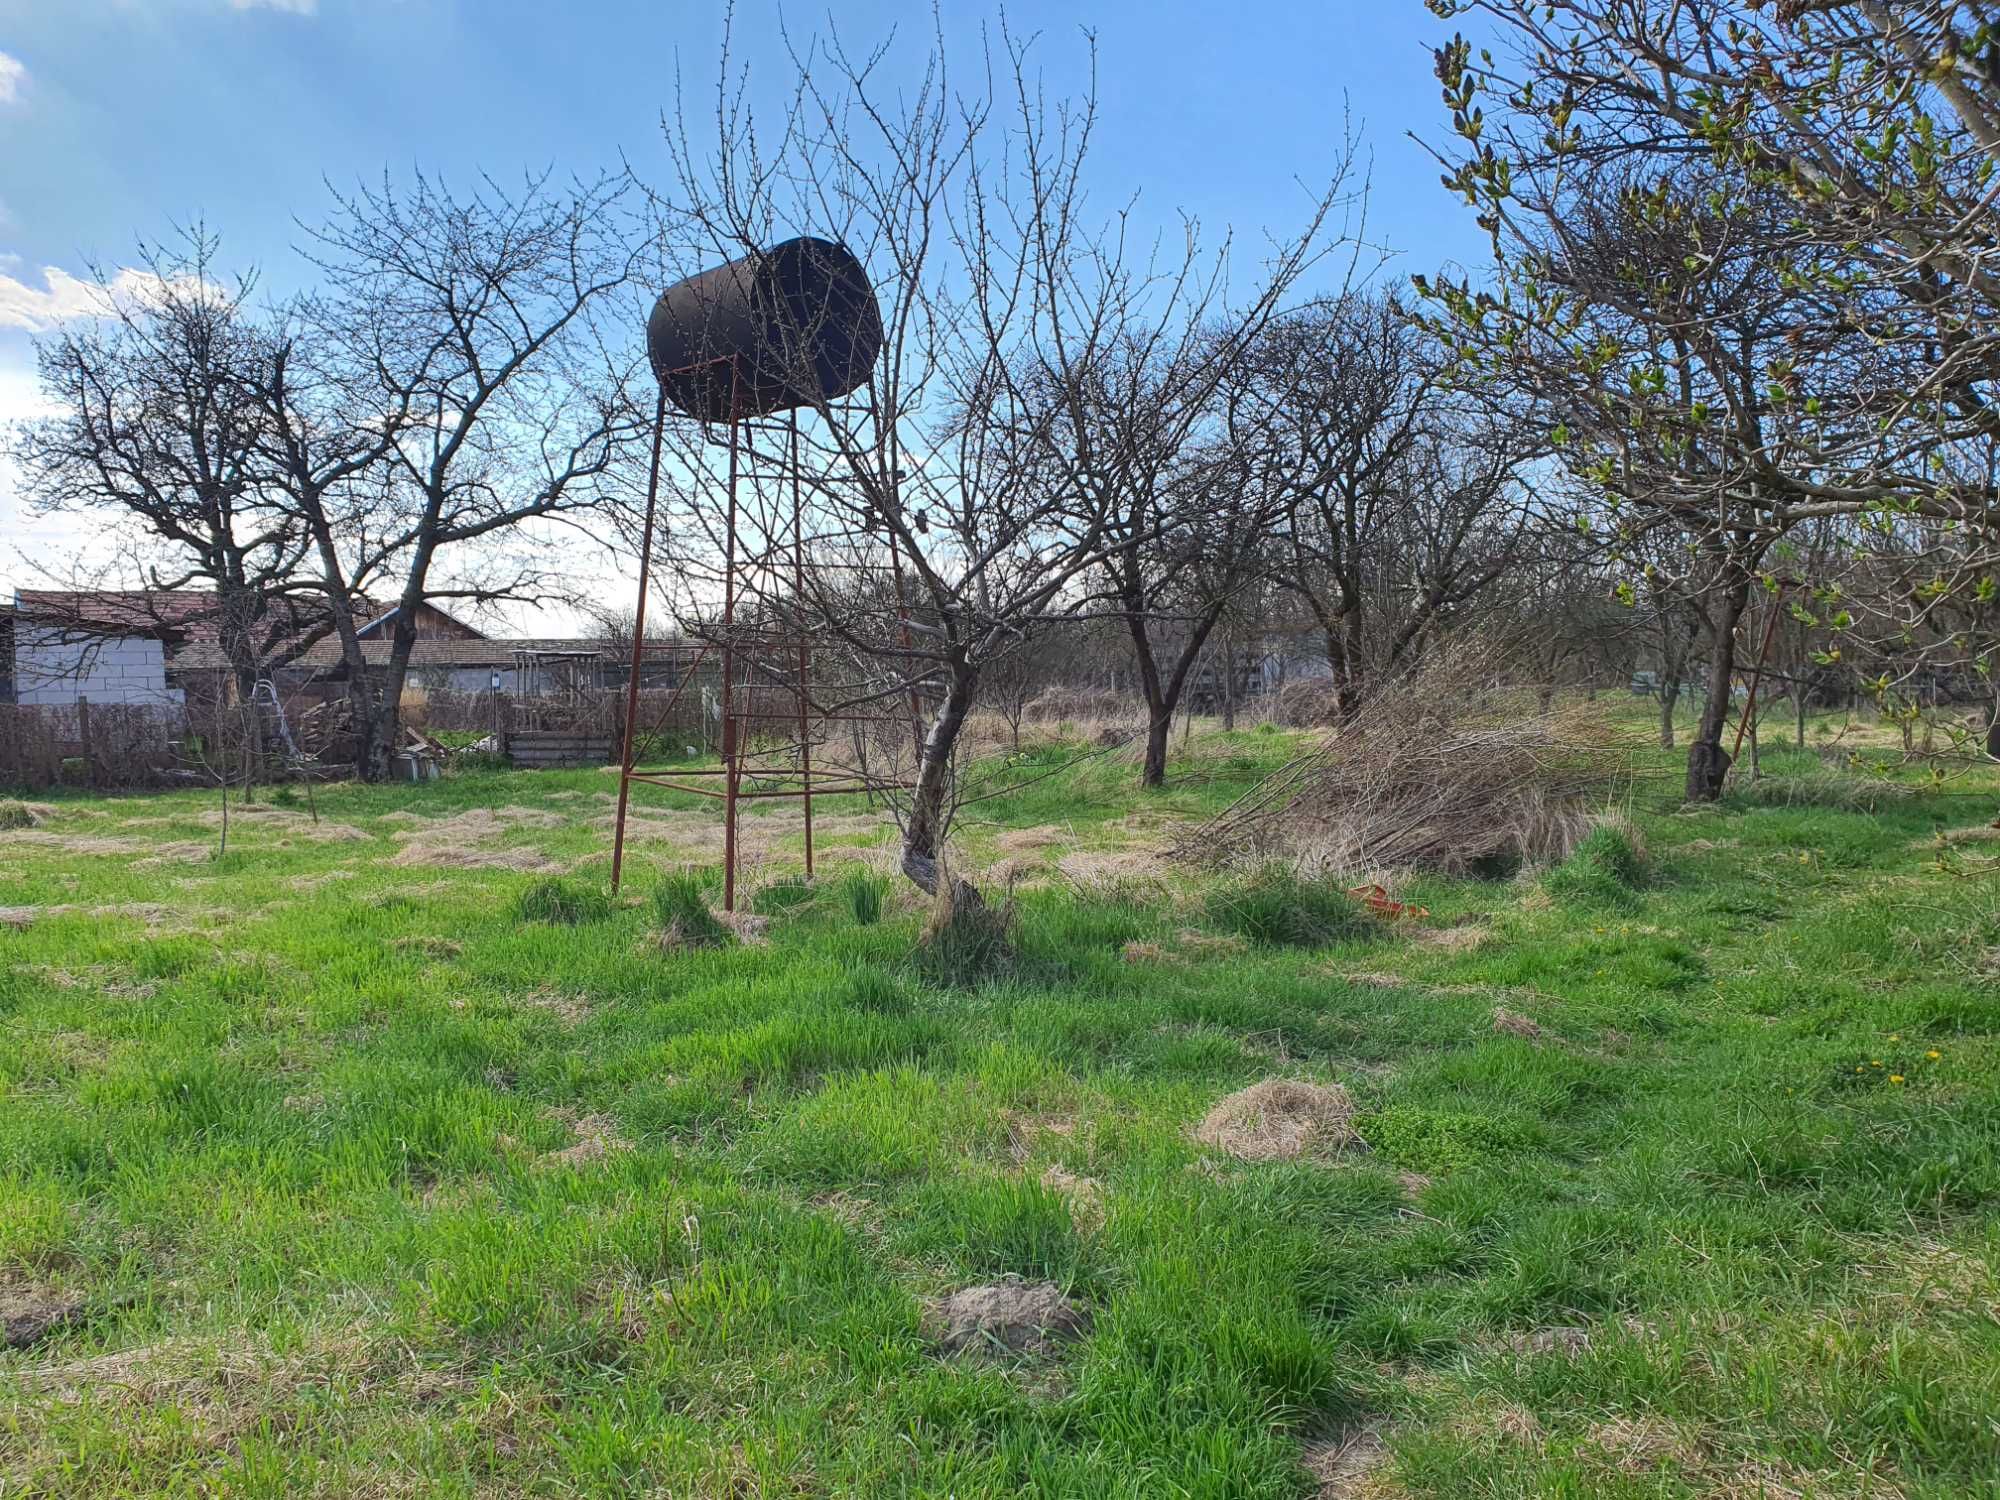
(52, 666)
(435, 625)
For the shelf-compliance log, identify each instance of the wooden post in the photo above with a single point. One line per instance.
(84, 741)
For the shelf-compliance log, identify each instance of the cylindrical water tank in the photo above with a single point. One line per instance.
(789, 326)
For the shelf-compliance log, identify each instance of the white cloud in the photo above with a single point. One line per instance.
(13, 74)
(63, 297)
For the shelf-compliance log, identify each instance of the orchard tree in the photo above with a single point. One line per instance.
(1738, 270)
(950, 484)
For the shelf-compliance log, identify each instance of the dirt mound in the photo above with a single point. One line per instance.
(1009, 1316)
(29, 1314)
(1280, 1118)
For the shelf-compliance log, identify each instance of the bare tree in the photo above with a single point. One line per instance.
(156, 435)
(934, 482)
(1403, 499)
(1166, 442)
(480, 334)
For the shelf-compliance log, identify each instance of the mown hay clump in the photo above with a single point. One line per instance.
(15, 813)
(1278, 1119)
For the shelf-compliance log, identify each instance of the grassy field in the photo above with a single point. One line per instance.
(361, 1165)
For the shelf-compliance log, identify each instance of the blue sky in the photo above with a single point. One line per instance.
(119, 118)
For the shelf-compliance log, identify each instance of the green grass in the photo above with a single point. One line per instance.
(682, 913)
(1275, 907)
(565, 903)
(375, 1177)
(1606, 868)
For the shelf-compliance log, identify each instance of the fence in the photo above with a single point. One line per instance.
(122, 745)
(668, 724)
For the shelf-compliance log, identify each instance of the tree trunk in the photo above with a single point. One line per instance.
(1708, 762)
(1228, 684)
(1159, 724)
(1345, 697)
(1670, 697)
(371, 749)
(923, 833)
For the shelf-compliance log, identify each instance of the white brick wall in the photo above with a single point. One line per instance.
(50, 668)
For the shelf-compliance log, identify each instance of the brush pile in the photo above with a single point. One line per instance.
(1446, 769)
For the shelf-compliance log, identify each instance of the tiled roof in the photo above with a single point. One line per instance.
(424, 653)
(182, 613)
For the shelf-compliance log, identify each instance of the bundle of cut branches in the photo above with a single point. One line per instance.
(1446, 769)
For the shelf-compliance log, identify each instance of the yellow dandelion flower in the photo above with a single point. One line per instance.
(1934, 1054)
(1895, 1078)
(1895, 1036)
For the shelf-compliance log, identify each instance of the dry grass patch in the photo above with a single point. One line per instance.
(1345, 1465)
(1084, 1195)
(426, 946)
(307, 884)
(1512, 1023)
(1280, 1118)
(1463, 938)
(750, 929)
(597, 1136)
(18, 814)
(1193, 940)
(1982, 833)
(21, 917)
(571, 1010)
(1025, 840)
(1093, 867)
(69, 843)
(1491, 1421)
(1645, 1445)
(438, 848)
(284, 820)
(1373, 979)
(1022, 1130)
(178, 852)
(1566, 1339)
(204, 1396)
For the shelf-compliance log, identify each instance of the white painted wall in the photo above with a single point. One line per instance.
(51, 666)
